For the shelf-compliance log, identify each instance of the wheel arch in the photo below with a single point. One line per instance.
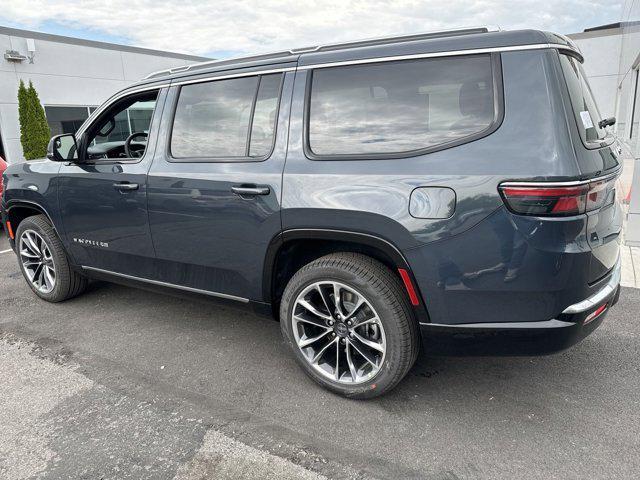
(18, 210)
(292, 249)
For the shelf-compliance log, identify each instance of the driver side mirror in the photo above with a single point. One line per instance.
(63, 148)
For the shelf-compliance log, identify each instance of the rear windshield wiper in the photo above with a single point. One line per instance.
(607, 122)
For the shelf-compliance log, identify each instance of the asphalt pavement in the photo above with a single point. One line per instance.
(124, 383)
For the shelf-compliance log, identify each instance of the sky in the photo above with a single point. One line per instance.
(223, 28)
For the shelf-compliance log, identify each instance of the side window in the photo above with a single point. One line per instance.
(399, 107)
(231, 119)
(107, 137)
(134, 118)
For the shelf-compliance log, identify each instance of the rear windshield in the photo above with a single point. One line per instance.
(584, 106)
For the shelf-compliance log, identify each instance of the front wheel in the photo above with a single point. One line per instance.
(346, 318)
(44, 262)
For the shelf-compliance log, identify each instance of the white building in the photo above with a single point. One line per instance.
(72, 76)
(612, 64)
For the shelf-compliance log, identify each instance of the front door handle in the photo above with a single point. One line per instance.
(244, 190)
(126, 186)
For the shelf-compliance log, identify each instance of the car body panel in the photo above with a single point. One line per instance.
(205, 236)
(33, 184)
(106, 227)
(461, 262)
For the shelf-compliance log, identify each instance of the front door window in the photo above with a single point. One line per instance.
(122, 131)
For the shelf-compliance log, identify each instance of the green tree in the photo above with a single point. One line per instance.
(34, 129)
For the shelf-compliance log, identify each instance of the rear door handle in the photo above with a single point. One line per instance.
(125, 186)
(241, 190)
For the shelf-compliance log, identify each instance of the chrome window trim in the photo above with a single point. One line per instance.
(170, 285)
(451, 53)
(232, 75)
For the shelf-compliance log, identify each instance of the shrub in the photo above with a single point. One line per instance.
(34, 129)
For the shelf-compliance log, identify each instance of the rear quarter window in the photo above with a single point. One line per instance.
(399, 108)
(583, 104)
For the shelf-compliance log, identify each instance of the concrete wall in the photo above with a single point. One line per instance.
(69, 74)
(630, 63)
(601, 50)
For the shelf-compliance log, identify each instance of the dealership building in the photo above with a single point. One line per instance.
(72, 76)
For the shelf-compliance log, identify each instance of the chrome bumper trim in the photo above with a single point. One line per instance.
(596, 299)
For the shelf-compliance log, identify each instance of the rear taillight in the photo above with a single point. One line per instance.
(551, 200)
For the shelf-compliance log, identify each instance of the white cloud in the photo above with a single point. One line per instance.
(201, 27)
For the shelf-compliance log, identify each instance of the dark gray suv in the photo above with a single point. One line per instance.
(451, 192)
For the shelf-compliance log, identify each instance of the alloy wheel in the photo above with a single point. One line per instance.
(37, 261)
(338, 332)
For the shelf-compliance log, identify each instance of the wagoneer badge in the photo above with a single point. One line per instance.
(93, 243)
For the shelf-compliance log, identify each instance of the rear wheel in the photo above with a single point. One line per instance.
(44, 262)
(346, 318)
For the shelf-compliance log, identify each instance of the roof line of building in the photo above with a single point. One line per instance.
(17, 32)
(595, 33)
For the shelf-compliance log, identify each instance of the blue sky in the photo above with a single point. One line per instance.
(221, 28)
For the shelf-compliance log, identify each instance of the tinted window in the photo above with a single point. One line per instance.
(396, 107)
(264, 118)
(582, 101)
(213, 119)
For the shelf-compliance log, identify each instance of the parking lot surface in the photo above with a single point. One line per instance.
(124, 383)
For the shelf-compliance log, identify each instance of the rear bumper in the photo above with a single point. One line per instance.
(523, 338)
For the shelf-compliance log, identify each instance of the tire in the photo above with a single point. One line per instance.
(67, 282)
(383, 298)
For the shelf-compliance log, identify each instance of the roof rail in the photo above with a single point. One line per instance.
(211, 63)
(330, 47)
(453, 32)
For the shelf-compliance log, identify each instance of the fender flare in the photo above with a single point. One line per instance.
(379, 243)
(31, 205)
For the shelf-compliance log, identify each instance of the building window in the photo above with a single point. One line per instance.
(66, 119)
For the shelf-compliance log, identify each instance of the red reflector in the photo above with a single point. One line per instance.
(599, 311)
(409, 286)
(566, 204)
(10, 230)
